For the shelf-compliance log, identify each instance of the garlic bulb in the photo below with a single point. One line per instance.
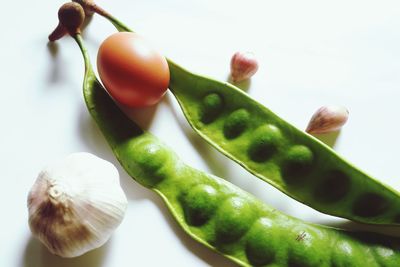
(75, 204)
(327, 119)
(243, 66)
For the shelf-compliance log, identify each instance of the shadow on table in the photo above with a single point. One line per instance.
(37, 255)
(242, 85)
(328, 138)
(354, 226)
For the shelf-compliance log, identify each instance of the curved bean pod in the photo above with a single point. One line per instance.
(218, 214)
(293, 161)
(278, 153)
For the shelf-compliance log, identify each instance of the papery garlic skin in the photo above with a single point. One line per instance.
(76, 204)
(243, 66)
(327, 119)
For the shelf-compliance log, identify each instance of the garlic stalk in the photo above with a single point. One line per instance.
(76, 204)
(327, 119)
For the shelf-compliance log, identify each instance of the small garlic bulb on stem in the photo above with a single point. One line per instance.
(243, 66)
(76, 204)
(327, 119)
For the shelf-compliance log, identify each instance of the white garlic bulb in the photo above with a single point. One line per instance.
(75, 204)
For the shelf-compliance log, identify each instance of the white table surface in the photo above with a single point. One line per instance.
(311, 53)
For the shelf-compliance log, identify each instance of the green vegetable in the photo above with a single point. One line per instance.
(270, 148)
(294, 162)
(220, 215)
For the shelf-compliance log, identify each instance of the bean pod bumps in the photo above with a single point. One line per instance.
(275, 151)
(294, 162)
(220, 215)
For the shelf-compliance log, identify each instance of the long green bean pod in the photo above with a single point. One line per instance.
(273, 150)
(219, 215)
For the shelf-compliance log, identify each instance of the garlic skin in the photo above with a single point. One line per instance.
(75, 204)
(243, 66)
(327, 119)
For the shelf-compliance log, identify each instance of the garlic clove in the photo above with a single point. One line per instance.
(75, 204)
(327, 119)
(243, 66)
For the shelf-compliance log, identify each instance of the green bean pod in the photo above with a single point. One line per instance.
(219, 215)
(293, 161)
(278, 153)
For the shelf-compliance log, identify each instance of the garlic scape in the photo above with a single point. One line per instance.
(76, 204)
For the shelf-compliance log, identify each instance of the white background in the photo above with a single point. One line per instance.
(311, 53)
